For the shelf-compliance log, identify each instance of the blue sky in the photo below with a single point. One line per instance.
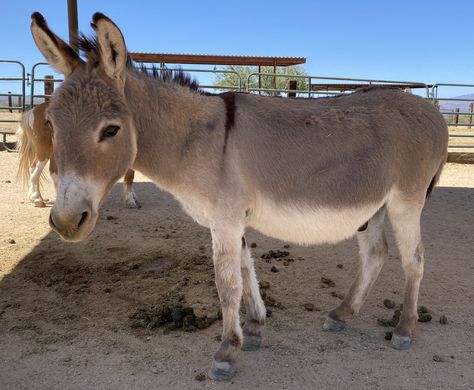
(429, 41)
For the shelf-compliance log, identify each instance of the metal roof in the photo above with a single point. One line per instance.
(211, 59)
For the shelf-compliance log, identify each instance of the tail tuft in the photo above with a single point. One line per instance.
(27, 155)
(434, 181)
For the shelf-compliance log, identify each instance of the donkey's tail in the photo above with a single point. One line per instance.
(435, 180)
(27, 155)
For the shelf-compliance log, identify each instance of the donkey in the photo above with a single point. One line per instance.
(304, 171)
(35, 148)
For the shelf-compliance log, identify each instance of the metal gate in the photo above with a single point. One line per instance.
(12, 99)
(41, 72)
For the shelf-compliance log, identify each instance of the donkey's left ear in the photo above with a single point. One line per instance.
(113, 53)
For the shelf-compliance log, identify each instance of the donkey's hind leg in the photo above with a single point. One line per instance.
(129, 198)
(34, 194)
(405, 219)
(373, 252)
(254, 306)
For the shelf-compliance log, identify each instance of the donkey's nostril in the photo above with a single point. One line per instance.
(83, 219)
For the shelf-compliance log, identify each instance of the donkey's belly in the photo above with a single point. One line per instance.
(310, 225)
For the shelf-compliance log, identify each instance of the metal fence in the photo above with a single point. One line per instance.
(335, 85)
(460, 101)
(12, 104)
(296, 85)
(458, 113)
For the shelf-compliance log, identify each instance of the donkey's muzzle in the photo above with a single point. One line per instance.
(71, 225)
(72, 216)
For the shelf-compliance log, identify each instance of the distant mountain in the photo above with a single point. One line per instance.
(449, 105)
(4, 100)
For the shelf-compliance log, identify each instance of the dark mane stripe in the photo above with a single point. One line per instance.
(89, 46)
(230, 108)
(175, 75)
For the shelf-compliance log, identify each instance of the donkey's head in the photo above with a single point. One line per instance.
(94, 136)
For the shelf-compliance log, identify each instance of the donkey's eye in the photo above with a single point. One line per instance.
(109, 132)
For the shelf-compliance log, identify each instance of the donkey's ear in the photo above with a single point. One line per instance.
(57, 52)
(113, 53)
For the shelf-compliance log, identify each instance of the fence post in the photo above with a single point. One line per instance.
(456, 116)
(470, 109)
(10, 103)
(48, 86)
(292, 87)
(20, 103)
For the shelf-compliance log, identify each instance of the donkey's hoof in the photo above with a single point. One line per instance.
(251, 342)
(132, 204)
(130, 201)
(400, 342)
(332, 325)
(222, 371)
(39, 203)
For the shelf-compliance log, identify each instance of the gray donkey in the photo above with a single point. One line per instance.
(305, 171)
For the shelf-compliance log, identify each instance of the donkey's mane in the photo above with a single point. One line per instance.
(176, 75)
(89, 46)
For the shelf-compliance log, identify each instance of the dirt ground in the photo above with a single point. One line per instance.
(65, 309)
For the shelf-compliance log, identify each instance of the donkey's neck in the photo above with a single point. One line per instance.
(170, 119)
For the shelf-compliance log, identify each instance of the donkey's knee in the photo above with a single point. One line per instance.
(413, 264)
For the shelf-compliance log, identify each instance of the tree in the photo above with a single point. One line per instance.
(267, 82)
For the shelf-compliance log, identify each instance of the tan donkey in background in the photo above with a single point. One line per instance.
(305, 171)
(35, 148)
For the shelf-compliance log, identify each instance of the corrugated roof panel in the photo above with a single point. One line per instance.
(213, 59)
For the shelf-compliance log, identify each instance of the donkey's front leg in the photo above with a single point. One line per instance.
(226, 244)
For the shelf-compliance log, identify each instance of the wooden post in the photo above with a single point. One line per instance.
(470, 109)
(10, 103)
(48, 86)
(274, 78)
(73, 24)
(292, 85)
(259, 80)
(456, 116)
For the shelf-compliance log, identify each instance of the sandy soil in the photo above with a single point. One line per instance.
(65, 308)
(10, 126)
